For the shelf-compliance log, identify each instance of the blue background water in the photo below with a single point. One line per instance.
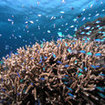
(23, 22)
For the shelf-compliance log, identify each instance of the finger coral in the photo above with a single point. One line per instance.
(70, 72)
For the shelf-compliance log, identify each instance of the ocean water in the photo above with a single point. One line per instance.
(24, 22)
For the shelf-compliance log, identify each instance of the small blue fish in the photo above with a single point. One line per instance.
(85, 68)
(97, 21)
(98, 54)
(92, 28)
(103, 35)
(89, 53)
(86, 41)
(82, 33)
(102, 74)
(93, 66)
(88, 33)
(82, 51)
(66, 66)
(42, 78)
(75, 61)
(66, 44)
(80, 70)
(59, 62)
(70, 94)
(98, 26)
(40, 62)
(54, 55)
(78, 74)
(100, 89)
(102, 40)
(21, 80)
(45, 57)
(66, 76)
(69, 89)
(65, 82)
(16, 53)
(101, 95)
(41, 45)
(99, 32)
(43, 69)
(87, 28)
(97, 40)
(18, 74)
(1, 62)
(88, 38)
(70, 51)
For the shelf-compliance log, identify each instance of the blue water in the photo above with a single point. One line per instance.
(24, 22)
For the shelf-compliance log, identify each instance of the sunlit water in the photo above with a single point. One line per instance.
(24, 22)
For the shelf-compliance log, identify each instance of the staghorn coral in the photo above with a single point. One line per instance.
(70, 72)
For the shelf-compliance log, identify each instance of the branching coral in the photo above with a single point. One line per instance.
(70, 72)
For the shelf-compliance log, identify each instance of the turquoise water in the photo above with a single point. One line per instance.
(24, 22)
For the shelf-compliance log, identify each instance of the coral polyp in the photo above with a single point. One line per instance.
(70, 72)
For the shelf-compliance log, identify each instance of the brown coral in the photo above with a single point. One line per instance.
(57, 73)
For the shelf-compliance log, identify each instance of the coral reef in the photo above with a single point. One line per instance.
(70, 72)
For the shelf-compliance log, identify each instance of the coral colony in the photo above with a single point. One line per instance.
(65, 72)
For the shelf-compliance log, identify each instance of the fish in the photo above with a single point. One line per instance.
(18, 74)
(101, 95)
(66, 66)
(80, 70)
(66, 76)
(54, 55)
(66, 44)
(42, 78)
(21, 80)
(102, 74)
(85, 68)
(82, 51)
(82, 33)
(69, 88)
(70, 51)
(79, 74)
(101, 89)
(93, 66)
(70, 94)
(59, 62)
(87, 28)
(98, 21)
(45, 57)
(98, 54)
(60, 34)
(98, 40)
(89, 53)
